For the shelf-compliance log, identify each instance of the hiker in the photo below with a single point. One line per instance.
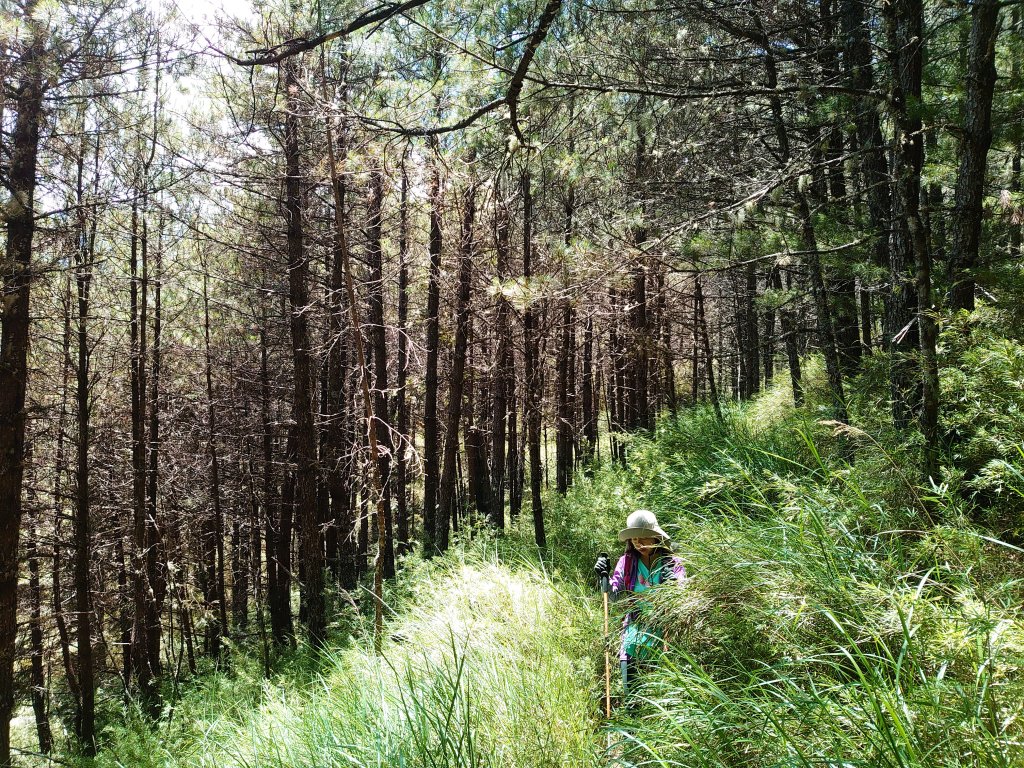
(647, 562)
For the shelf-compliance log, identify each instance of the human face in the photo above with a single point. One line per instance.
(645, 545)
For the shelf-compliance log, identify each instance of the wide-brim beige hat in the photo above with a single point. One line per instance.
(642, 524)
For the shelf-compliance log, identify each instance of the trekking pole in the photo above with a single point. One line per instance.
(605, 589)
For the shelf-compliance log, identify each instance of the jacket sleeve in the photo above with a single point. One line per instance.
(678, 572)
(617, 582)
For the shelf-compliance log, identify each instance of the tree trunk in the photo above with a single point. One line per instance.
(431, 439)
(617, 401)
(340, 443)
(85, 717)
(706, 342)
(965, 232)
(477, 401)
(376, 484)
(789, 332)
(668, 373)
(911, 259)
(145, 676)
(514, 462)
(213, 538)
(563, 397)
(40, 692)
(532, 393)
(808, 239)
(277, 597)
(310, 543)
(155, 557)
(639, 414)
(281, 619)
(15, 279)
(857, 60)
(587, 393)
(502, 380)
(447, 509)
(752, 342)
(378, 343)
(564, 394)
(402, 405)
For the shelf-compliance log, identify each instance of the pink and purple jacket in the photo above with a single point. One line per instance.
(623, 581)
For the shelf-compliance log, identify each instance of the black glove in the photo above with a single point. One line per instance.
(601, 566)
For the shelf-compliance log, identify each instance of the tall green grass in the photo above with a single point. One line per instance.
(836, 613)
(487, 665)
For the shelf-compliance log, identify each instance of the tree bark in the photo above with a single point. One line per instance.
(402, 405)
(340, 443)
(668, 372)
(502, 380)
(40, 692)
(213, 526)
(587, 394)
(85, 716)
(789, 332)
(706, 342)
(911, 265)
(965, 235)
(310, 539)
(15, 281)
(859, 72)
(376, 484)
(808, 239)
(447, 509)
(532, 393)
(431, 439)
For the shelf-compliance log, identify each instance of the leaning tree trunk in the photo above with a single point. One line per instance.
(857, 61)
(808, 239)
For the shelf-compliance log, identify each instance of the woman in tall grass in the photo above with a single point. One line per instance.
(647, 562)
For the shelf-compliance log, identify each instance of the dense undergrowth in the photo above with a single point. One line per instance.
(838, 612)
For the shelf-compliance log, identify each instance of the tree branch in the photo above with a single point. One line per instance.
(515, 86)
(289, 48)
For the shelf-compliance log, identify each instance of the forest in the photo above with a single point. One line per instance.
(338, 338)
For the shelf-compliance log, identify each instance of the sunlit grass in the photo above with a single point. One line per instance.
(487, 666)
